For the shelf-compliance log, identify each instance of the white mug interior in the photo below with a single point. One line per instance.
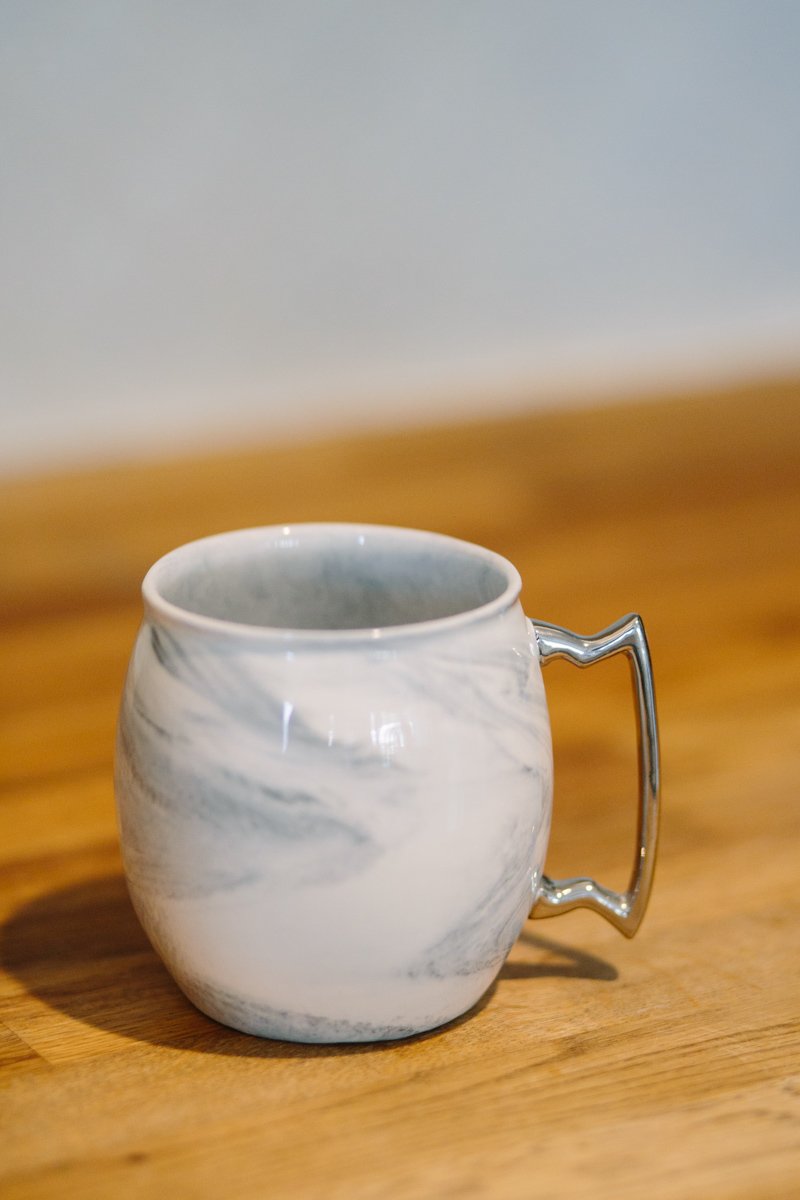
(329, 579)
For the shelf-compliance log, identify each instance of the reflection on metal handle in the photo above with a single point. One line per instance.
(623, 909)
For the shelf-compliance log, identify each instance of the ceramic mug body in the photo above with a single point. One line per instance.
(333, 777)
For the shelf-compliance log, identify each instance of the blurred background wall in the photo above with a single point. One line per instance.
(222, 219)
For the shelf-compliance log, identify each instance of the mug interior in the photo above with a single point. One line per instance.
(329, 578)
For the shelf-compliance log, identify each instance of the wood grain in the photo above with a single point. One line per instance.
(665, 1067)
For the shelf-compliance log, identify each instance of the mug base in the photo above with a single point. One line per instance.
(262, 1020)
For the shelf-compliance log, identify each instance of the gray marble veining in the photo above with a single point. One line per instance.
(333, 834)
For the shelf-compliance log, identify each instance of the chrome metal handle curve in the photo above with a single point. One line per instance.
(625, 910)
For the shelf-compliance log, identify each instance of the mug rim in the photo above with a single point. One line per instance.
(167, 612)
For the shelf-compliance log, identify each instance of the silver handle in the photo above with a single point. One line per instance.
(623, 909)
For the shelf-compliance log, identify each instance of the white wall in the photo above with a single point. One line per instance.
(219, 216)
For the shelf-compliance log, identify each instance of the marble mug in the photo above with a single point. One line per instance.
(334, 776)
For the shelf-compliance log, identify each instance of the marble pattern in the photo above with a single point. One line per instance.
(334, 839)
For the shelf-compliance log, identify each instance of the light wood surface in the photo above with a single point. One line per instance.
(664, 1067)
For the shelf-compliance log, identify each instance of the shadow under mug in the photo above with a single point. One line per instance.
(334, 776)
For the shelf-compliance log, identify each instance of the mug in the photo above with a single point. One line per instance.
(334, 776)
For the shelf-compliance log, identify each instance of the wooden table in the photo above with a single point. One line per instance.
(596, 1067)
